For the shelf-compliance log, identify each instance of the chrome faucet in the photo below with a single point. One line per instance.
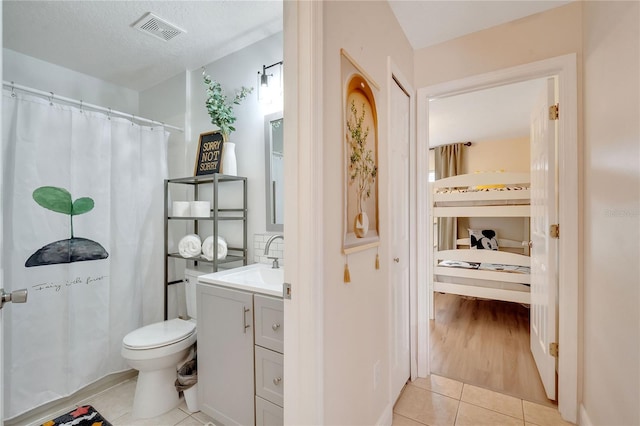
(275, 264)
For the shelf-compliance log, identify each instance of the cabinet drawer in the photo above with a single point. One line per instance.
(269, 319)
(269, 375)
(268, 414)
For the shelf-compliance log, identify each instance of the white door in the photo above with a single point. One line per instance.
(400, 361)
(544, 251)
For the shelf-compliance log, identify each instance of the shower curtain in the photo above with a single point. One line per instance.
(83, 232)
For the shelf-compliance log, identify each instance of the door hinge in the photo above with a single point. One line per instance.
(554, 231)
(286, 290)
(553, 349)
(554, 112)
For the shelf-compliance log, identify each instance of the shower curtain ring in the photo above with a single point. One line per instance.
(13, 93)
(51, 99)
(133, 117)
(81, 111)
(109, 114)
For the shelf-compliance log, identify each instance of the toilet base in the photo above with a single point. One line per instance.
(155, 393)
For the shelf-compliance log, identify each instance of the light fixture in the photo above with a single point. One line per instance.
(264, 77)
(270, 84)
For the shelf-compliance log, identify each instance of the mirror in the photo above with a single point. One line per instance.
(274, 171)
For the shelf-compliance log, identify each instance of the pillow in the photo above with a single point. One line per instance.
(485, 239)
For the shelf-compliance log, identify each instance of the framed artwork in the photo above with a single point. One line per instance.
(209, 153)
(360, 144)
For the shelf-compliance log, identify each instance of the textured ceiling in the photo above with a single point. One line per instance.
(498, 113)
(430, 22)
(97, 37)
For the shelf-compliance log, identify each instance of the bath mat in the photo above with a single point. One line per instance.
(85, 415)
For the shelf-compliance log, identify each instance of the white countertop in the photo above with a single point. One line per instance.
(256, 278)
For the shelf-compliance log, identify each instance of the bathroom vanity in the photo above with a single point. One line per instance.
(240, 345)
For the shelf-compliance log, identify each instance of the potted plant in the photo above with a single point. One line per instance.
(221, 113)
(362, 167)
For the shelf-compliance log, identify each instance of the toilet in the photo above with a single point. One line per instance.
(156, 351)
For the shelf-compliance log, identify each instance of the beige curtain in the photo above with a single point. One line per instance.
(448, 163)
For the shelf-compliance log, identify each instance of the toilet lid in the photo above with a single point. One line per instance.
(159, 334)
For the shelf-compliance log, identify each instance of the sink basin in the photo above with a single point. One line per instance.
(258, 277)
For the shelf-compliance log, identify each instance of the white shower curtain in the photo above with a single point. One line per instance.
(93, 262)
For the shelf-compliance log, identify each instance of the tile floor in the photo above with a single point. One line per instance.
(432, 401)
(115, 406)
(439, 401)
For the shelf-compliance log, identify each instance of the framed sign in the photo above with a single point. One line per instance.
(360, 129)
(209, 153)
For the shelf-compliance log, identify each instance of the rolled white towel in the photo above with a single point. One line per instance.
(190, 246)
(207, 248)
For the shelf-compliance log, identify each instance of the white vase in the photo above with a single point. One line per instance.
(229, 164)
(361, 225)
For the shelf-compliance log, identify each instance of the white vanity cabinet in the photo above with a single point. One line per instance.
(240, 360)
(225, 354)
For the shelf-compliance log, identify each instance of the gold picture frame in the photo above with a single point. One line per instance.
(360, 131)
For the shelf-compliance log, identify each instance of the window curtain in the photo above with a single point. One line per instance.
(83, 232)
(448, 159)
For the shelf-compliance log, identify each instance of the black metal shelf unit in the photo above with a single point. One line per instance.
(235, 254)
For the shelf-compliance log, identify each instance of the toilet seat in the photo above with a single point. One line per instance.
(159, 334)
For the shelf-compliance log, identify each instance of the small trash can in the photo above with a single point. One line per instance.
(187, 383)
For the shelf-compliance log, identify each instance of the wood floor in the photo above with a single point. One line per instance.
(485, 343)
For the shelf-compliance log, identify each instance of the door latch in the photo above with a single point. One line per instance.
(286, 290)
(16, 296)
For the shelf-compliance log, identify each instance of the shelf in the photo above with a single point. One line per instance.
(216, 215)
(230, 258)
(197, 180)
(206, 218)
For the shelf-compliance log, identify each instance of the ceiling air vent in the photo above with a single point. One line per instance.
(157, 27)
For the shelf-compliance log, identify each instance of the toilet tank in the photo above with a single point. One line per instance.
(190, 282)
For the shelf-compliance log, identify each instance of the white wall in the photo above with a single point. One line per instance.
(35, 73)
(356, 315)
(234, 71)
(611, 392)
(609, 372)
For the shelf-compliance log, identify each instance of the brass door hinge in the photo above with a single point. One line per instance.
(553, 349)
(554, 231)
(554, 112)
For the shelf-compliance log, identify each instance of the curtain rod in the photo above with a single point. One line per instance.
(51, 96)
(468, 143)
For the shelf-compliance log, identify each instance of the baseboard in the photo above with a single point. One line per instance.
(386, 418)
(583, 417)
(63, 405)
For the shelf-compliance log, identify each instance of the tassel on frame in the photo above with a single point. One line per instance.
(347, 276)
(377, 260)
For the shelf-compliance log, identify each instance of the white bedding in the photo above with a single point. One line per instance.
(463, 197)
(486, 266)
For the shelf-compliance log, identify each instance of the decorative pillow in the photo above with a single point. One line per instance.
(485, 239)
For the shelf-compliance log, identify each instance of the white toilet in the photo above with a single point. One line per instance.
(156, 350)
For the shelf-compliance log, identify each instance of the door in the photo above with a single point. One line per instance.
(225, 341)
(544, 249)
(400, 360)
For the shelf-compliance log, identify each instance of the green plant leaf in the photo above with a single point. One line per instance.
(53, 198)
(82, 205)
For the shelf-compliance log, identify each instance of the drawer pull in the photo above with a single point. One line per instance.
(244, 319)
(275, 326)
(277, 381)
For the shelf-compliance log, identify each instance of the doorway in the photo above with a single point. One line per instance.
(565, 69)
(486, 341)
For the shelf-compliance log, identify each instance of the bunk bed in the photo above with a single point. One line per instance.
(500, 273)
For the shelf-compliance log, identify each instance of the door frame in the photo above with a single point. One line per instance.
(394, 73)
(565, 67)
